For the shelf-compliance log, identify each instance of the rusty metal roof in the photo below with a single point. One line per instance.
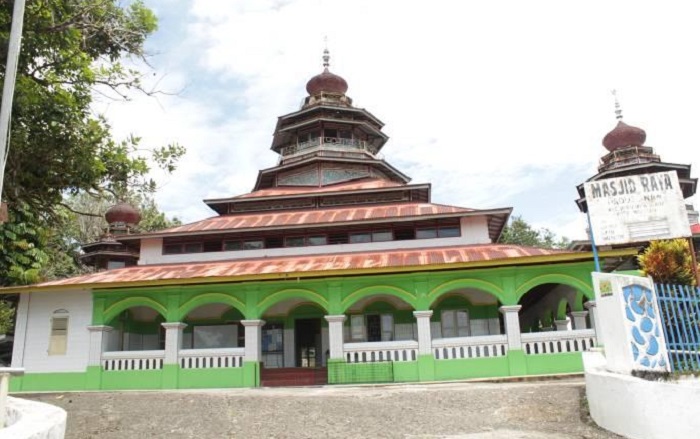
(695, 229)
(302, 265)
(311, 217)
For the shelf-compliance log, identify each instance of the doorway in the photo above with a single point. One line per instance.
(307, 336)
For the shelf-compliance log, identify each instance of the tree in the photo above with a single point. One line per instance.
(71, 51)
(668, 262)
(519, 232)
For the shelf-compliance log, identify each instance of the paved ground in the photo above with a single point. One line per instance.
(530, 410)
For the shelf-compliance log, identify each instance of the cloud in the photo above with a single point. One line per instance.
(495, 103)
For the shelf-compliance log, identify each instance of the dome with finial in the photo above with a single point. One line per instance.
(123, 212)
(326, 81)
(624, 135)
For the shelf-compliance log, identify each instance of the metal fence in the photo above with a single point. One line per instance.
(679, 306)
(358, 373)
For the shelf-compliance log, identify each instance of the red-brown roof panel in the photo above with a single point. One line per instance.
(315, 217)
(297, 265)
(695, 229)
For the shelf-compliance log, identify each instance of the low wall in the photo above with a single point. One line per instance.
(33, 420)
(638, 408)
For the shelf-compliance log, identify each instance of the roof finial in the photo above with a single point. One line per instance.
(326, 55)
(618, 110)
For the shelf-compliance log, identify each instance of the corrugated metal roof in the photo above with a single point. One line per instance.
(313, 190)
(301, 264)
(314, 217)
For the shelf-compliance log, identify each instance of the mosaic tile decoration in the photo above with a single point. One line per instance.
(644, 326)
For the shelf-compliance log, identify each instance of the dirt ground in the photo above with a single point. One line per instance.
(529, 410)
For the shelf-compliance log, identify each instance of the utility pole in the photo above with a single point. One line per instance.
(8, 89)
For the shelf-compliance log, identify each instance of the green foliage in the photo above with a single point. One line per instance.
(519, 232)
(668, 262)
(7, 313)
(22, 252)
(72, 50)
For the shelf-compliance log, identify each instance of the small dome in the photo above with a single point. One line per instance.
(123, 213)
(624, 135)
(326, 82)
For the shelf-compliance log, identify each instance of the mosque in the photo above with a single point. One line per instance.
(334, 269)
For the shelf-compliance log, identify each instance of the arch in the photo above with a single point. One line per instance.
(452, 285)
(207, 298)
(388, 290)
(564, 279)
(291, 293)
(130, 302)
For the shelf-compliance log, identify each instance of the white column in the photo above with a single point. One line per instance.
(425, 344)
(253, 339)
(22, 315)
(173, 341)
(562, 325)
(593, 314)
(335, 336)
(579, 319)
(512, 323)
(97, 343)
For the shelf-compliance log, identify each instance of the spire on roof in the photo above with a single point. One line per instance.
(618, 109)
(326, 54)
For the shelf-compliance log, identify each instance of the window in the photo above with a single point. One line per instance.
(345, 134)
(253, 244)
(233, 245)
(58, 340)
(387, 327)
(426, 233)
(330, 132)
(356, 238)
(193, 247)
(294, 241)
(380, 327)
(317, 240)
(455, 323)
(449, 232)
(357, 327)
(115, 264)
(172, 249)
(383, 235)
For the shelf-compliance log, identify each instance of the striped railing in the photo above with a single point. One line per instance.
(211, 358)
(679, 309)
(470, 347)
(133, 360)
(406, 350)
(556, 342)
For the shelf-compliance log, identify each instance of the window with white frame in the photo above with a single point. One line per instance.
(58, 339)
(357, 327)
(455, 323)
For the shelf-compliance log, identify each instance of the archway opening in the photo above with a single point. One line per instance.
(547, 307)
(213, 326)
(466, 312)
(137, 328)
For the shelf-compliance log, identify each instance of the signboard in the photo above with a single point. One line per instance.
(637, 208)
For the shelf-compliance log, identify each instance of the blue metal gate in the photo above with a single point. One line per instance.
(679, 306)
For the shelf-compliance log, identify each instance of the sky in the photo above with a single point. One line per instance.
(496, 103)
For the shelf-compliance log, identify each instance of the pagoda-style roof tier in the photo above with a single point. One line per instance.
(688, 184)
(360, 118)
(338, 264)
(353, 192)
(330, 217)
(318, 170)
(366, 191)
(631, 155)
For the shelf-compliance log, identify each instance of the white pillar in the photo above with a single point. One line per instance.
(579, 319)
(98, 334)
(425, 343)
(253, 339)
(592, 308)
(562, 325)
(335, 335)
(22, 315)
(173, 341)
(512, 323)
